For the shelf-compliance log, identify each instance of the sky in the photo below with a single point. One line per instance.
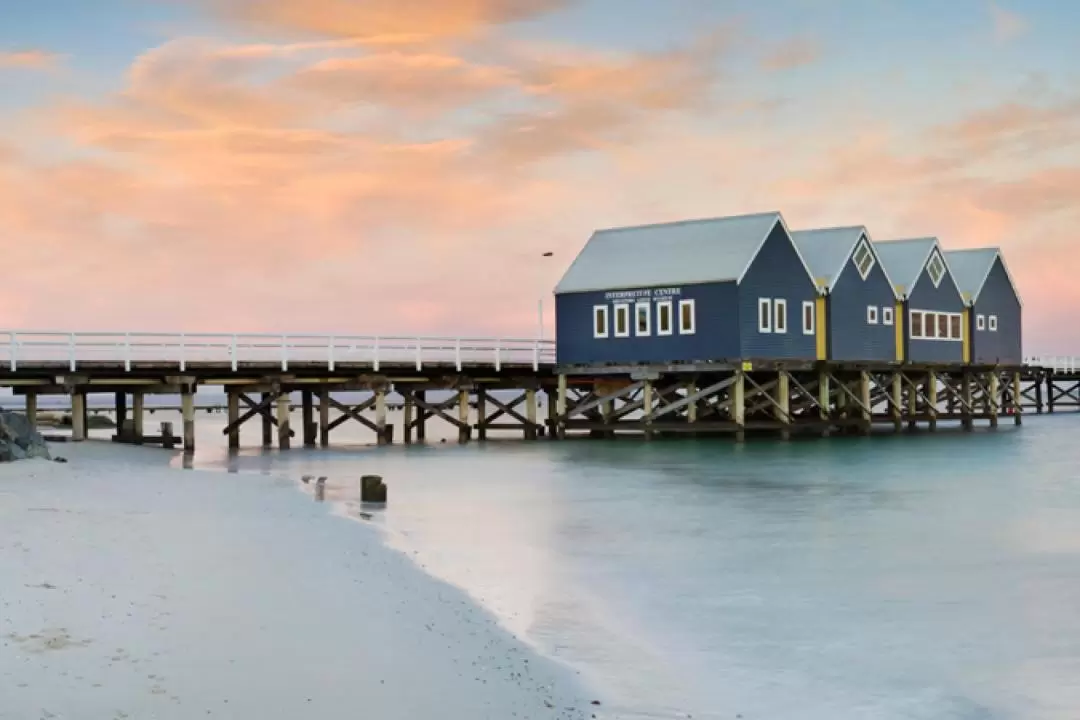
(401, 167)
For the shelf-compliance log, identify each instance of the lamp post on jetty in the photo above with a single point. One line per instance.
(540, 303)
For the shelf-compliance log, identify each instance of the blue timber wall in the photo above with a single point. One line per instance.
(943, 298)
(998, 298)
(850, 336)
(776, 273)
(715, 337)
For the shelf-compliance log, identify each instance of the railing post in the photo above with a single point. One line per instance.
(375, 352)
(284, 352)
(14, 352)
(498, 355)
(536, 356)
(71, 351)
(183, 352)
(457, 354)
(419, 362)
(330, 354)
(127, 352)
(232, 352)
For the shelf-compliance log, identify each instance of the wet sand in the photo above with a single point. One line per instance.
(130, 590)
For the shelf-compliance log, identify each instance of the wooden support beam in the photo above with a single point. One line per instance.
(647, 407)
(409, 409)
(324, 417)
(353, 413)
(32, 409)
(560, 408)
(307, 417)
(783, 404)
(463, 416)
(553, 415)
(78, 416)
(267, 420)
(993, 400)
(121, 411)
(530, 414)
(1018, 402)
(932, 399)
(864, 402)
(897, 401)
(138, 416)
(738, 405)
(233, 428)
(382, 436)
(824, 399)
(422, 415)
(692, 400)
(284, 431)
(187, 411)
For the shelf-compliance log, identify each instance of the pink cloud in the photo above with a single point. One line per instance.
(28, 60)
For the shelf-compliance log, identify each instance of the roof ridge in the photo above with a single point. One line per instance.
(692, 221)
(830, 229)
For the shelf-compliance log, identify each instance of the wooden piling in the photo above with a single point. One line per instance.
(560, 408)
(421, 418)
(307, 415)
(968, 420)
(738, 405)
(824, 401)
(867, 418)
(138, 416)
(993, 398)
(408, 409)
(463, 415)
(267, 425)
(31, 409)
(382, 436)
(932, 399)
(121, 411)
(234, 420)
(897, 409)
(187, 408)
(78, 416)
(324, 417)
(782, 409)
(1018, 400)
(530, 414)
(284, 439)
(647, 407)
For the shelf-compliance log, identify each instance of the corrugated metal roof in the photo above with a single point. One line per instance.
(905, 259)
(676, 253)
(971, 267)
(827, 250)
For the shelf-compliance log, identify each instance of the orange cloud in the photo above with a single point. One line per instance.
(28, 60)
(792, 54)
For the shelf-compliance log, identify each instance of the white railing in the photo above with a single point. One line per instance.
(1057, 363)
(180, 349)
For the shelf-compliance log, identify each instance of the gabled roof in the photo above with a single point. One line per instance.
(827, 251)
(971, 268)
(906, 259)
(688, 252)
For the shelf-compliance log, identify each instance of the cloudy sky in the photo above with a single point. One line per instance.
(400, 166)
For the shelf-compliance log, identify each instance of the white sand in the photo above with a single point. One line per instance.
(129, 590)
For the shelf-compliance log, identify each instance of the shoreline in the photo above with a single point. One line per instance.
(138, 589)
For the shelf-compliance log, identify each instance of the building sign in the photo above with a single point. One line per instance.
(648, 294)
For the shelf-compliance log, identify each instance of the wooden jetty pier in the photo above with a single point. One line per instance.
(260, 373)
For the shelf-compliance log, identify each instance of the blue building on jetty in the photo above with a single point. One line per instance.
(993, 314)
(856, 316)
(744, 288)
(932, 307)
(711, 290)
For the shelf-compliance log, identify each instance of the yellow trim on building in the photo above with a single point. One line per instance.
(900, 320)
(821, 324)
(965, 330)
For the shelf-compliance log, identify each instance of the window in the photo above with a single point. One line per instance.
(993, 323)
(663, 317)
(622, 320)
(808, 318)
(980, 322)
(916, 324)
(864, 258)
(887, 316)
(943, 326)
(600, 321)
(929, 325)
(936, 268)
(955, 327)
(687, 322)
(764, 315)
(872, 315)
(779, 316)
(643, 321)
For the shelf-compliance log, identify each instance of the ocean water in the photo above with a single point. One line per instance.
(925, 576)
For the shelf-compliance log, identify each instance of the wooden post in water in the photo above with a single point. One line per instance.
(324, 417)
(897, 391)
(932, 399)
(267, 426)
(463, 415)
(968, 421)
(187, 408)
(78, 416)
(234, 419)
(691, 408)
(307, 416)
(1038, 394)
(559, 431)
(738, 405)
(138, 413)
(530, 414)
(381, 436)
(993, 399)
(647, 408)
(408, 409)
(31, 409)
(1018, 400)
(121, 412)
(824, 401)
(867, 416)
(421, 418)
(283, 420)
(481, 414)
(782, 409)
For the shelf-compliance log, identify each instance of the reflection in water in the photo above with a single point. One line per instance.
(921, 576)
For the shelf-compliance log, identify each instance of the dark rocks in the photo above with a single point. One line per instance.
(19, 440)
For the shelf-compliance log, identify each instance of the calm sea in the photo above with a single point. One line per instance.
(920, 576)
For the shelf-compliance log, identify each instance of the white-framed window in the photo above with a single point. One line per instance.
(935, 267)
(687, 319)
(915, 322)
(622, 320)
(887, 317)
(663, 317)
(864, 258)
(779, 316)
(643, 319)
(809, 318)
(980, 322)
(993, 323)
(764, 315)
(600, 321)
(927, 325)
(872, 315)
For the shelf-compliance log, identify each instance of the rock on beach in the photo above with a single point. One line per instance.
(19, 440)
